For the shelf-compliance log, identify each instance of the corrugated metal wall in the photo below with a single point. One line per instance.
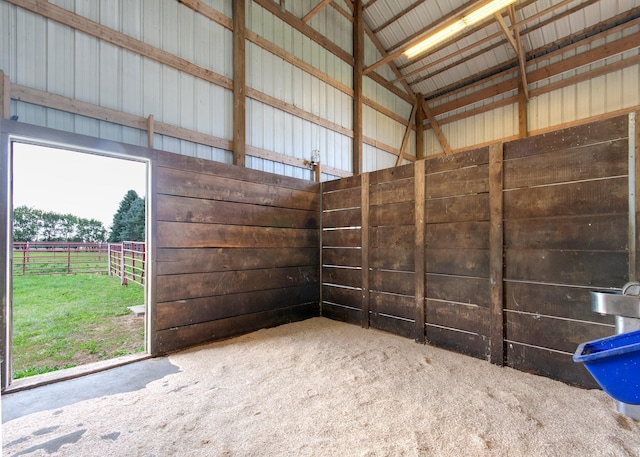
(42, 54)
(548, 108)
(274, 130)
(52, 57)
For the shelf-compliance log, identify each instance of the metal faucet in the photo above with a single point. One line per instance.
(631, 288)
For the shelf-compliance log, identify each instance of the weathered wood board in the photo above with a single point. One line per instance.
(236, 250)
(547, 216)
(457, 248)
(566, 220)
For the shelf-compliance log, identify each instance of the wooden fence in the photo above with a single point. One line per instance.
(128, 261)
(40, 258)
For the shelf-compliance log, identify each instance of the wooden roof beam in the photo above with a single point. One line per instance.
(399, 15)
(513, 36)
(522, 58)
(450, 56)
(341, 10)
(367, 5)
(407, 133)
(436, 128)
(418, 36)
(209, 12)
(505, 29)
(306, 30)
(307, 17)
(379, 79)
(602, 52)
(559, 16)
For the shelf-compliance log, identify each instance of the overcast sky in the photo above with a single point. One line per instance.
(85, 185)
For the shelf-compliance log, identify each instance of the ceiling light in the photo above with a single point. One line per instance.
(485, 10)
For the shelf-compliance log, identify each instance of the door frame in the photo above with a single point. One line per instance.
(12, 131)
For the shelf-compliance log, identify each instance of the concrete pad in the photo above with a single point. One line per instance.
(126, 378)
(137, 310)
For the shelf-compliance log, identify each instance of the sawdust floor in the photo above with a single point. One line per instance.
(324, 388)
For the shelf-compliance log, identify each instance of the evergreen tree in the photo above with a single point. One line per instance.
(134, 222)
(129, 220)
(118, 225)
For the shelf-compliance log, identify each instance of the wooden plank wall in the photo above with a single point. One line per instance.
(236, 250)
(565, 232)
(457, 252)
(342, 254)
(515, 236)
(391, 250)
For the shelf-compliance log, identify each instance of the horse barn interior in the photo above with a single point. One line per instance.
(346, 168)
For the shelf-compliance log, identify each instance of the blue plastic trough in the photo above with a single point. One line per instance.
(614, 362)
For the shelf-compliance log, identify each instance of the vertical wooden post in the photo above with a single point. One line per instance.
(150, 131)
(522, 112)
(420, 128)
(151, 244)
(5, 95)
(358, 63)
(634, 189)
(2, 96)
(239, 89)
(419, 248)
(637, 209)
(496, 235)
(109, 259)
(318, 172)
(122, 264)
(366, 303)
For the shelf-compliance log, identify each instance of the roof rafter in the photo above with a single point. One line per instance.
(382, 51)
(436, 128)
(513, 36)
(407, 133)
(525, 21)
(315, 10)
(399, 15)
(416, 37)
(369, 4)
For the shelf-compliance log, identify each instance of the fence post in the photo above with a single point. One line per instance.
(133, 261)
(144, 261)
(109, 259)
(24, 259)
(122, 264)
(68, 258)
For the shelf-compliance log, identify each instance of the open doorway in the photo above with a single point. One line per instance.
(78, 293)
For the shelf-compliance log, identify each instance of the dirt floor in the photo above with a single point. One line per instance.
(323, 388)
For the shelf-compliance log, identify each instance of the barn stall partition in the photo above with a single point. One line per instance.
(491, 252)
(236, 251)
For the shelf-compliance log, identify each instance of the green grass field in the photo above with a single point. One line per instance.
(61, 321)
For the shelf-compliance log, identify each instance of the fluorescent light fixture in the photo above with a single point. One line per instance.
(485, 10)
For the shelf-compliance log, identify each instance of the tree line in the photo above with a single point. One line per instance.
(31, 224)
